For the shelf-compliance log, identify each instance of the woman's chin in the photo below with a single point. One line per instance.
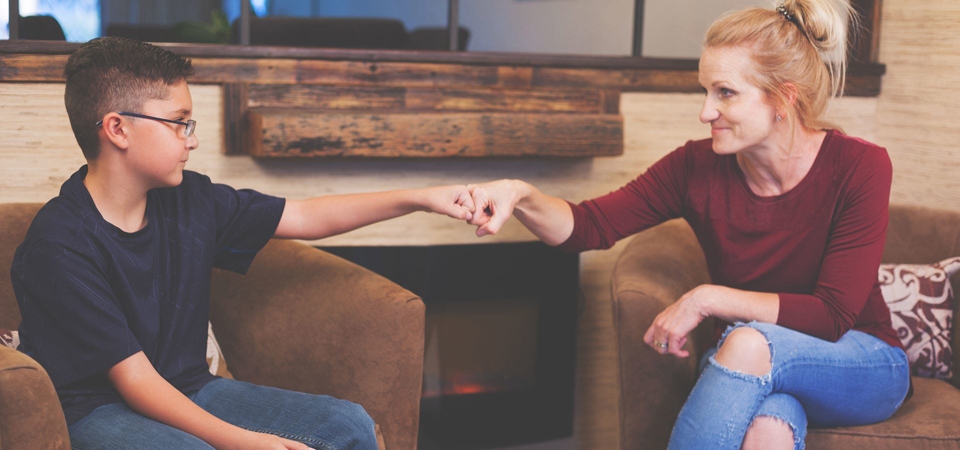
(721, 149)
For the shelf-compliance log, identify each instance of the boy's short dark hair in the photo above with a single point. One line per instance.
(113, 74)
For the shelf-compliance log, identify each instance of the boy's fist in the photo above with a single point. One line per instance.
(452, 201)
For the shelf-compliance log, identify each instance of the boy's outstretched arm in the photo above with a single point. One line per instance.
(321, 217)
(146, 392)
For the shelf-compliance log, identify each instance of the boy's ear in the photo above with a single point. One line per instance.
(116, 129)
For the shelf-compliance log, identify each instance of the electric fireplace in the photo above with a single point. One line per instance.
(499, 343)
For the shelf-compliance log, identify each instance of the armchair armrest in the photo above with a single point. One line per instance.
(30, 412)
(657, 267)
(305, 320)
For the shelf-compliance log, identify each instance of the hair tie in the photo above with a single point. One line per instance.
(786, 15)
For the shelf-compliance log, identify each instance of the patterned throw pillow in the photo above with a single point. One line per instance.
(11, 338)
(218, 365)
(920, 299)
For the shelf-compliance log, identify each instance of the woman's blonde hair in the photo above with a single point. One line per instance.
(801, 42)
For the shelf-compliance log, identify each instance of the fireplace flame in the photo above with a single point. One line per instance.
(470, 384)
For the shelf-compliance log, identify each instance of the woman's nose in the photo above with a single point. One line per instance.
(708, 113)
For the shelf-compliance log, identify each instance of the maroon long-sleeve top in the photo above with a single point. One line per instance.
(817, 246)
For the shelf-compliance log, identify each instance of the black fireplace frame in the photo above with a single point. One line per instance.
(450, 273)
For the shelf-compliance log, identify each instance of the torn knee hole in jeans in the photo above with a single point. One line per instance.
(764, 379)
(797, 439)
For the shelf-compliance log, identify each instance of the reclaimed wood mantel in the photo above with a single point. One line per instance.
(299, 102)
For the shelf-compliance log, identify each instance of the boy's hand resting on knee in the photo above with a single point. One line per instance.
(146, 392)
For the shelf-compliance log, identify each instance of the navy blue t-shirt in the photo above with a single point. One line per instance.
(92, 295)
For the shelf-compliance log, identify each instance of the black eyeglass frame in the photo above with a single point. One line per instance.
(190, 125)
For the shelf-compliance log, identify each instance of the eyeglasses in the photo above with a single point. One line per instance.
(190, 124)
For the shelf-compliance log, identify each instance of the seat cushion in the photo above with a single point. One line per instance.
(928, 420)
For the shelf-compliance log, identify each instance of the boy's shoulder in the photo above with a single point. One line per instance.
(60, 222)
(66, 218)
(60, 219)
(58, 233)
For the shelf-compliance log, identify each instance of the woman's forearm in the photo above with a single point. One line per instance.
(549, 218)
(736, 305)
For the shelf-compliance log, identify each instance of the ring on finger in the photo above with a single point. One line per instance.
(662, 345)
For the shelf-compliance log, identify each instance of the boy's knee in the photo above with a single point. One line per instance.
(745, 350)
(359, 426)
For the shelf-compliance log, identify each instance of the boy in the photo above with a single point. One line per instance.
(113, 277)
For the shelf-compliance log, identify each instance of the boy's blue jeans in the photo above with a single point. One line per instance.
(320, 421)
(857, 380)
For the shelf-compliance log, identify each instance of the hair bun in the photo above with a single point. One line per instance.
(824, 22)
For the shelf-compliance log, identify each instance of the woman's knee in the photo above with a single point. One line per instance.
(771, 433)
(745, 350)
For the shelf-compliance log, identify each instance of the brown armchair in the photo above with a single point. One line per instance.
(300, 319)
(661, 264)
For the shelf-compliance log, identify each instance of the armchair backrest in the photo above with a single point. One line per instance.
(15, 218)
(921, 236)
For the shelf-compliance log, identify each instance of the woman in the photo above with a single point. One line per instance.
(791, 215)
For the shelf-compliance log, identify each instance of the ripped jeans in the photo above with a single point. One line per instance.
(857, 380)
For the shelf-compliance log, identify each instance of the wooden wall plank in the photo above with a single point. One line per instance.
(234, 117)
(862, 80)
(245, 70)
(628, 80)
(515, 77)
(424, 99)
(285, 133)
(407, 74)
(527, 100)
(326, 96)
(342, 72)
(610, 101)
(858, 85)
(44, 68)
